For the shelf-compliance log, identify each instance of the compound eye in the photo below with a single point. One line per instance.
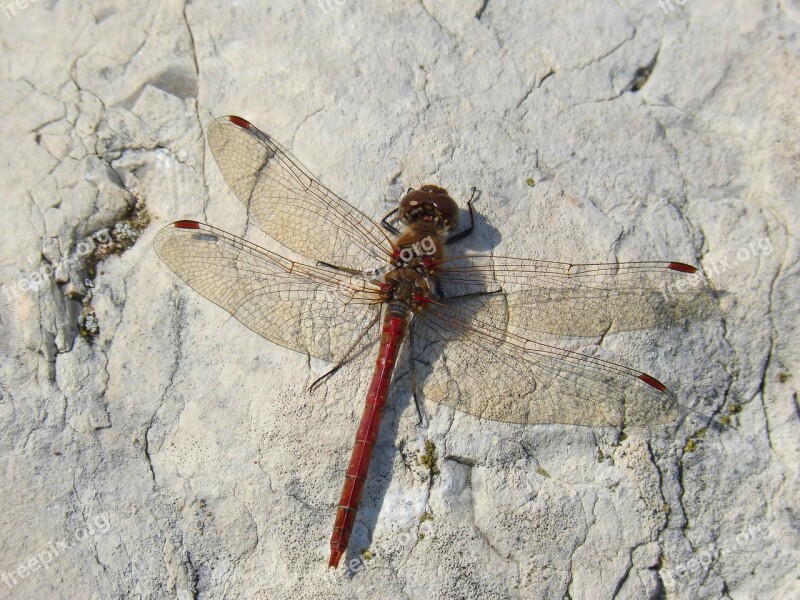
(448, 208)
(413, 199)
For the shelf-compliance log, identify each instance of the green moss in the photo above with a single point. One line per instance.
(692, 443)
(733, 409)
(542, 472)
(426, 516)
(428, 459)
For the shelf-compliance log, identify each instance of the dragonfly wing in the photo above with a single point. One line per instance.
(285, 201)
(314, 310)
(471, 358)
(583, 299)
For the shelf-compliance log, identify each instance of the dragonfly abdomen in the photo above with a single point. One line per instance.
(395, 326)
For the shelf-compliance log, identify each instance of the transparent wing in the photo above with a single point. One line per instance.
(582, 299)
(285, 201)
(314, 310)
(470, 357)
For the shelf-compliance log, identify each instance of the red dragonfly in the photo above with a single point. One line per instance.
(479, 328)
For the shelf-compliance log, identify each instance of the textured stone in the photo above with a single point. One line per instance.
(177, 454)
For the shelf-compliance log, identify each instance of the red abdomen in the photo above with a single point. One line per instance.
(395, 325)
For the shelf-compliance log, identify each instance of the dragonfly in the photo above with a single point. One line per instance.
(479, 331)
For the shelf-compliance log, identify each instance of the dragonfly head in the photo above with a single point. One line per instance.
(430, 203)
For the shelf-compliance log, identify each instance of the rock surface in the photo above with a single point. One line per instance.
(172, 453)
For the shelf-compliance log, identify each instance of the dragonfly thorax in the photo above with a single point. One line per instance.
(408, 286)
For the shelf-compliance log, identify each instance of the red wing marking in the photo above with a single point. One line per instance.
(682, 267)
(186, 224)
(239, 121)
(653, 382)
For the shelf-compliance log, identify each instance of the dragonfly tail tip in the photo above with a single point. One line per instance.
(336, 556)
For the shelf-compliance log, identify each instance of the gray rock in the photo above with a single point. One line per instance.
(161, 450)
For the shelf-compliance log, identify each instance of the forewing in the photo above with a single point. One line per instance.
(285, 201)
(583, 299)
(469, 357)
(314, 310)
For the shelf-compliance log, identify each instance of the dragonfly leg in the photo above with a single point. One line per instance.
(414, 394)
(462, 234)
(420, 418)
(346, 357)
(323, 377)
(388, 226)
